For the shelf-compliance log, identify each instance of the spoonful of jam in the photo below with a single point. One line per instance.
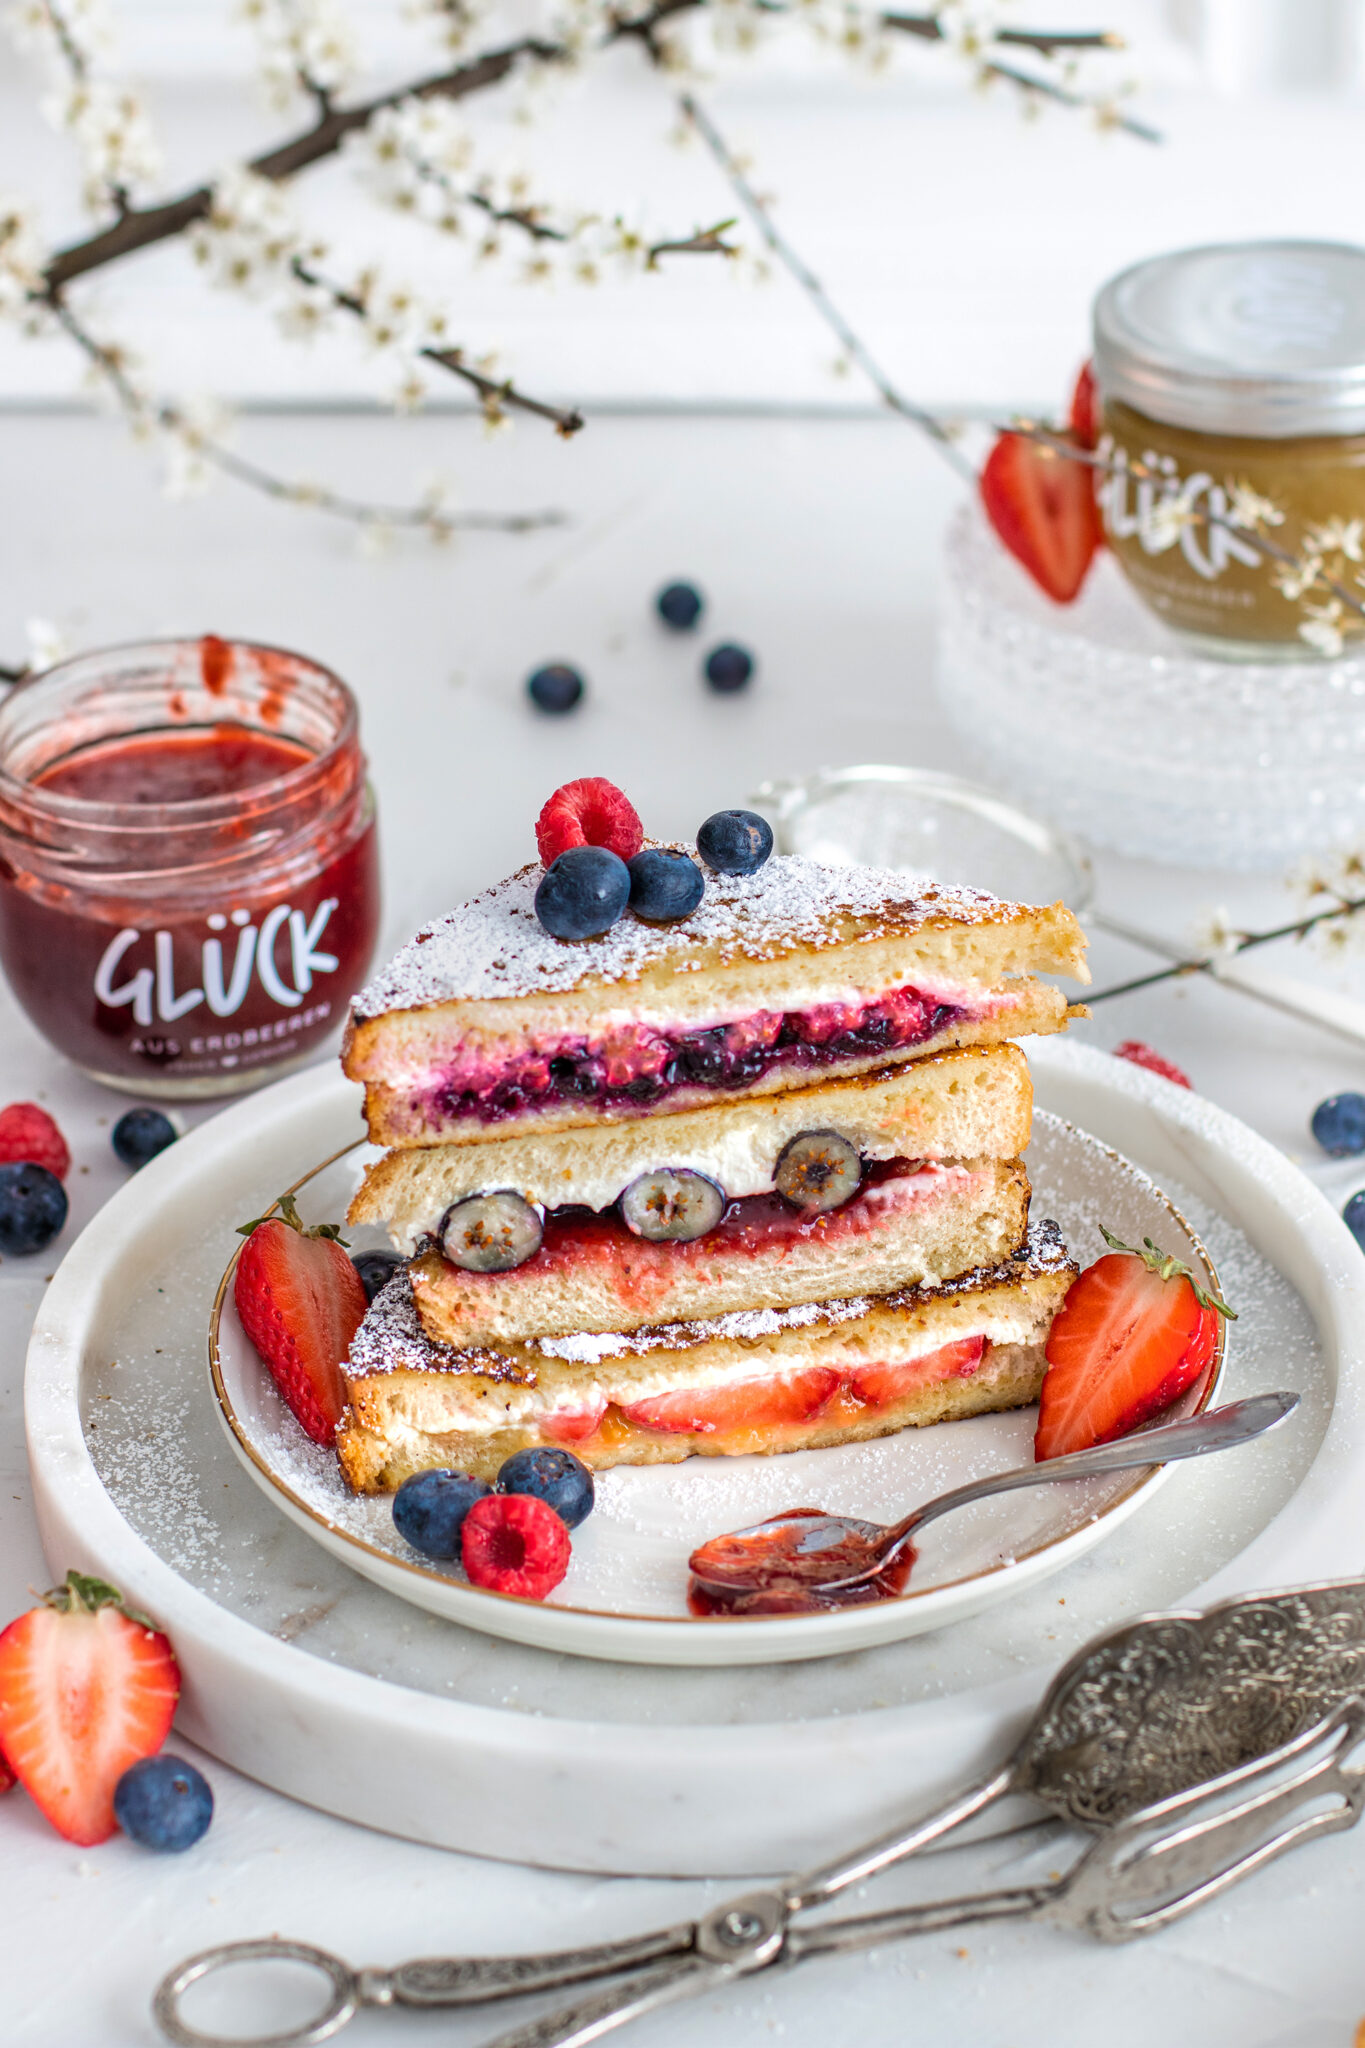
(807, 1555)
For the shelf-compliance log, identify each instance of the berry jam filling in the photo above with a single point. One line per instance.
(750, 1224)
(639, 1066)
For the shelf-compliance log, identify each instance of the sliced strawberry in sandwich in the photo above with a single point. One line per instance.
(880, 1384)
(1043, 507)
(570, 1426)
(86, 1690)
(1134, 1332)
(742, 1405)
(301, 1302)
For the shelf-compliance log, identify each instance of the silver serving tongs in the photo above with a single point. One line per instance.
(1199, 1747)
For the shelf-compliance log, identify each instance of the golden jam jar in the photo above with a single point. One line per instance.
(1232, 389)
(189, 886)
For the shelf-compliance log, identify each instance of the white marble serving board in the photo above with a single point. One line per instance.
(304, 1675)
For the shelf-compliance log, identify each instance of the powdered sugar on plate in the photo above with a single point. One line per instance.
(495, 946)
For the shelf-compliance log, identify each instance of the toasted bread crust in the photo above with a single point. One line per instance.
(971, 1104)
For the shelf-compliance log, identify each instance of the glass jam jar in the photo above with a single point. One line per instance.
(1238, 365)
(189, 887)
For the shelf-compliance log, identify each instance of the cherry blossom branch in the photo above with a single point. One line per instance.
(852, 344)
(431, 517)
(1246, 942)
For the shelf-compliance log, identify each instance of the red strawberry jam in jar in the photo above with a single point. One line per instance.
(189, 884)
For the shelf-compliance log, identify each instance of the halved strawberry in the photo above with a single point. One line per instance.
(7, 1777)
(744, 1404)
(591, 812)
(301, 1301)
(1084, 416)
(1141, 1055)
(878, 1384)
(86, 1689)
(1135, 1330)
(1043, 507)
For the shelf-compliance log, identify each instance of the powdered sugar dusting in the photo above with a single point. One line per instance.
(392, 1339)
(494, 945)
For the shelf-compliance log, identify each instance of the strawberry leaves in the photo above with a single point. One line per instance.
(1167, 1267)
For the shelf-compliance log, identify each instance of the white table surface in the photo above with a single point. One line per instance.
(815, 541)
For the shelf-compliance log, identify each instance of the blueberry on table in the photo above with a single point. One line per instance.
(555, 688)
(680, 605)
(33, 1207)
(583, 893)
(1338, 1124)
(728, 668)
(735, 842)
(164, 1803)
(553, 1475)
(1354, 1217)
(429, 1510)
(140, 1134)
(664, 886)
(376, 1269)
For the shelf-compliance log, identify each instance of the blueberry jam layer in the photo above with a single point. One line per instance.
(750, 1225)
(639, 1066)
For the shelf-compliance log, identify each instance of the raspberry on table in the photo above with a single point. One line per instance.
(28, 1132)
(1141, 1055)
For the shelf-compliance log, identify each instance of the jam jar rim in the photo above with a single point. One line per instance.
(290, 785)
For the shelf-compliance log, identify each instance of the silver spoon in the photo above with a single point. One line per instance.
(808, 1551)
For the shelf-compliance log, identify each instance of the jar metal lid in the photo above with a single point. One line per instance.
(1263, 339)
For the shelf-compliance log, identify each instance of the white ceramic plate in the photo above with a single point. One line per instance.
(311, 1678)
(625, 1595)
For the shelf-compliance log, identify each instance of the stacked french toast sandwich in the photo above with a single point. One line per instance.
(743, 1180)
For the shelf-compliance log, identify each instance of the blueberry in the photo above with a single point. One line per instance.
(1338, 1124)
(583, 893)
(376, 1269)
(163, 1802)
(33, 1207)
(664, 886)
(429, 1510)
(735, 842)
(140, 1134)
(728, 668)
(672, 1205)
(557, 1477)
(490, 1233)
(818, 1170)
(557, 687)
(680, 606)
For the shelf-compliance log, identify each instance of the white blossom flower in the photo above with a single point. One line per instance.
(1322, 628)
(1165, 522)
(1337, 537)
(304, 45)
(1292, 582)
(20, 257)
(47, 645)
(1248, 508)
(1218, 934)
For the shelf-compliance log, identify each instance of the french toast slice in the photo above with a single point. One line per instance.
(911, 1222)
(485, 1026)
(972, 1104)
(764, 1381)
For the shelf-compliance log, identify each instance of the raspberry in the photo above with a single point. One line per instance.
(591, 812)
(513, 1543)
(1143, 1056)
(28, 1133)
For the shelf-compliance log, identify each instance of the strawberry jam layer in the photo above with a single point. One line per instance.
(641, 1271)
(638, 1066)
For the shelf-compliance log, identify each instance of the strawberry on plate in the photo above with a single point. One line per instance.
(1042, 505)
(87, 1688)
(7, 1778)
(301, 1301)
(590, 812)
(1134, 1332)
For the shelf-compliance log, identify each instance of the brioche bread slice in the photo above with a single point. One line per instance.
(484, 1025)
(973, 1104)
(764, 1381)
(911, 1222)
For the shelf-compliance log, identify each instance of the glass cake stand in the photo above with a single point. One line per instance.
(1097, 716)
